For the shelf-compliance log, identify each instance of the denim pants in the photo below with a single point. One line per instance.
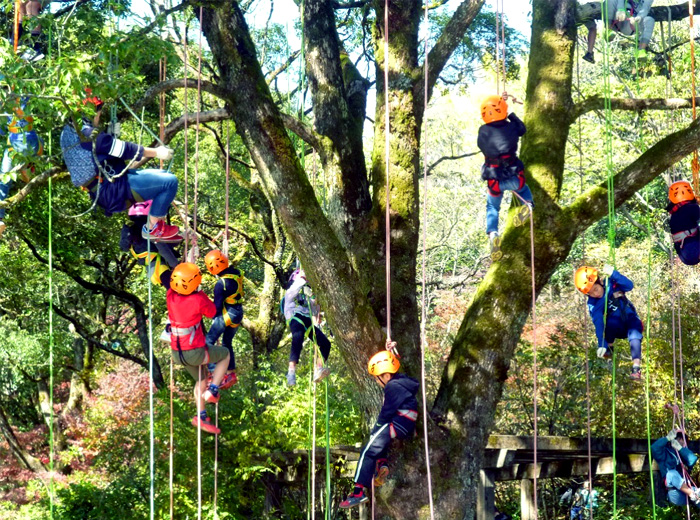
(159, 186)
(5, 188)
(219, 327)
(493, 202)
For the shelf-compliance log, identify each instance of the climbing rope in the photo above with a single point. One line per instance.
(151, 451)
(424, 303)
(695, 164)
(196, 149)
(186, 121)
(228, 174)
(51, 339)
(18, 7)
(387, 138)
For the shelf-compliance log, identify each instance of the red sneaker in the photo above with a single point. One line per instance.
(205, 425)
(353, 500)
(211, 397)
(162, 232)
(228, 381)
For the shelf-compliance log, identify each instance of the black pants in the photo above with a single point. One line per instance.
(299, 333)
(378, 446)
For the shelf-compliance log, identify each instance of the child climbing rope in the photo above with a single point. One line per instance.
(159, 186)
(396, 420)
(23, 144)
(620, 320)
(625, 17)
(186, 307)
(502, 169)
(299, 305)
(675, 460)
(163, 256)
(228, 296)
(685, 215)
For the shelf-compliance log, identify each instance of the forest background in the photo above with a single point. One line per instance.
(99, 297)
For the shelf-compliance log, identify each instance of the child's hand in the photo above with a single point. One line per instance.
(391, 346)
(621, 15)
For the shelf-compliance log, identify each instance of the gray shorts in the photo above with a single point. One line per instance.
(193, 360)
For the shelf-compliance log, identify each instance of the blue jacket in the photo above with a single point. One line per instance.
(622, 316)
(111, 152)
(669, 460)
(399, 394)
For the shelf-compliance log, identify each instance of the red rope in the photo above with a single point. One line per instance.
(196, 146)
(228, 172)
(695, 164)
(387, 134)
(161, 107)
(18, 7)
(172, 439)
(187, 188)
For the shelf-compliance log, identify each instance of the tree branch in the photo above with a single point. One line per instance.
(598, 103)
(450, 158)
(39, 180)
(279, 70)
(592, 11)
(172, 84)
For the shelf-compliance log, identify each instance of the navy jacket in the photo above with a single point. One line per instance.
(622, 316)
(224, 288)
(399, 394)
(500, 137)
(111, 152)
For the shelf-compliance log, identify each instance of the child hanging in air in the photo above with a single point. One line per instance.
(163, 256)
(685, 215)
(228, 298)
(396, 420)
(299, 305)
(186, 308)
(675, 462)
(621, 320)
(502, 169)
(23, 144)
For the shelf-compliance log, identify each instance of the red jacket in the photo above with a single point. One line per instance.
(187, 311)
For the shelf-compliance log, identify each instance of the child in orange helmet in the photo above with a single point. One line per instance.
(685, 215)
(228, 296)
(186, 308)
(619, 319)
(396, 420)
(502, 169)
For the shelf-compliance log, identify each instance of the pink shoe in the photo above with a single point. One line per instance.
(211, 397)
(162, 232)
(228, 381)
(205, 425)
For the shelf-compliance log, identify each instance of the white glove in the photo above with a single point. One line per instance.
(673, 433)
(601, 352)
(635, 20)
(621, 16)
(694, 496)
(164, 153)
(676, 445)
(608, 270)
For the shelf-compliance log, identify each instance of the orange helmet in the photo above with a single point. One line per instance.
(185, 278)
(215, 261)
(680, 191)
(383, 362)
(494, 108)
(584, 278)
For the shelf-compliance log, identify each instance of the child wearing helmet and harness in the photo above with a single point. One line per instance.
(396, 420)
(162, 257)
(685, 215)
(228, 296)
(186, 308)
(625, 17)
(299, 305)
(502, 169)
(128, 186)
(675, 461)
(620, 320)
(23, 144)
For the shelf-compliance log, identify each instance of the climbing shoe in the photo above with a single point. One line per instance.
(610, 35)
(321, 373)
(212, 394)
(636, 374)
(381, 474)
(641, 55)
(205, 425)
(495, 241)
(228, 381)
(291, 378)
(162, 232)
(589, 57)
(354, 499)
(522, 215)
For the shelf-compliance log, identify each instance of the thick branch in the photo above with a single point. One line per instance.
(39, 180)
(598, 103)
(172, 84)
(591, 11)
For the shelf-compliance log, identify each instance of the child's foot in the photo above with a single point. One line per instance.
(381, 474)
(291, 378)
(522, 215)
(212, 394)
(641, 54)
(228, 381)
(589, 57)
(495, 242)
(636, 374)
(205, 425)
(2, 227)
(162, 232)
(321, 374)
(354, 499)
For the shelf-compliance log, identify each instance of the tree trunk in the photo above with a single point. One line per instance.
(48, 415)
(23, 457)
(83, 362)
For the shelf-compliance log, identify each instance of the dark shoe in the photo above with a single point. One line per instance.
(636, 374)
(354, 500)
(589, 57)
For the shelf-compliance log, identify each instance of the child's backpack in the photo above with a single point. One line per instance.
(78, 160)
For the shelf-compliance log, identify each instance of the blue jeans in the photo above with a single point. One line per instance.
(5, 188)
(493, 202)
(156, 185)
(218, 327)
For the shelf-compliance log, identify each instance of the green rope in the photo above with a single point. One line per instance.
(328, 457)
(50, 201)
(150, 383)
